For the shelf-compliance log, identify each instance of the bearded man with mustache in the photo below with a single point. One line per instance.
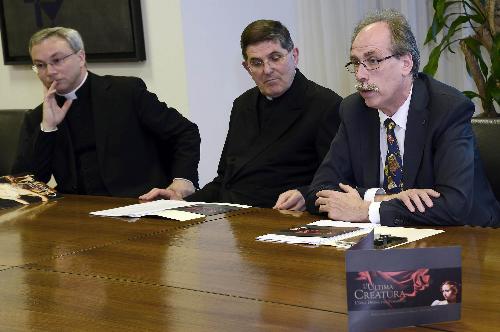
(405, 150)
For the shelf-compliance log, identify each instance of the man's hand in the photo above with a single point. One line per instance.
(290, 200)
(52, 113)
(346, 206)
(413, 198)
(178, 189)
(157, 193)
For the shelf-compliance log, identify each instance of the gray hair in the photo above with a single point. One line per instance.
(403, 40)
(71, 36)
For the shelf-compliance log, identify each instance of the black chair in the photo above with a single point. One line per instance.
(10, 124)
(487, 133)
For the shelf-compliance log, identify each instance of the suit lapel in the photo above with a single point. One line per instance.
(416, 129)
(248, 122)
(101, 103)
(370, 148)
(280, 121)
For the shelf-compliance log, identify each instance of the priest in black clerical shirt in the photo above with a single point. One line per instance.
(279, 131)
(102, 135)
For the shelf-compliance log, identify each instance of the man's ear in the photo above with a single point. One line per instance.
(295, 55)
(82, 56)
(407, 64)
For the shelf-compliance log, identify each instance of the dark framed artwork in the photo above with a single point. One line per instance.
(111, 29)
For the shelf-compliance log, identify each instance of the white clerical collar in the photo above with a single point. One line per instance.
(72, 95)
(401, 115)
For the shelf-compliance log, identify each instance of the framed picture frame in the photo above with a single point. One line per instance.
(111, 30)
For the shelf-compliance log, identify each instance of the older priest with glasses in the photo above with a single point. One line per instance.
(102, 135)
(405, 151)
(279, 131)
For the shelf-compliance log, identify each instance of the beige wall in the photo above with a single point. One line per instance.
(164, 71)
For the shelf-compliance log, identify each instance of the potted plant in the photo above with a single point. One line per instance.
(481, 47)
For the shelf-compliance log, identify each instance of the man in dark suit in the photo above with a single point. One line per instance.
(279, 131)
(405, 151)
(102, 135)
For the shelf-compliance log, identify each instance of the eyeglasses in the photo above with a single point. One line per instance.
(274, 59)
(369, 64)
(56, 63)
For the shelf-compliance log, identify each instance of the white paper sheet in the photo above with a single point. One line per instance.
(337, 223)
(412, 234)
(224, 204)
(177, 215)
(161, 208)
(142, 209)
(342, 241)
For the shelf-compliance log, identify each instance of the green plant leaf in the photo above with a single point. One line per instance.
(451, 21)
(478, 18)
(433, 31)
(446, 41)
(439, 7)
(439, 19)
(455, 26)
(495, 57)
(474, 7)
(433, 62)
(492, 89)
(461, 19)
(471, 94)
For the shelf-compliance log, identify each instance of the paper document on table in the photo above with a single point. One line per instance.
(411, 234)
(241, 206)
(343, 235)
(319, 233)
(338, 223)
(142, 209)
(171, 209)
(386, 237)
(176, 215)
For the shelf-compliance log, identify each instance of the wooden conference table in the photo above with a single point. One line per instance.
(62, 269)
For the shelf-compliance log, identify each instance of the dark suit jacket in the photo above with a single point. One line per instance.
(439, 153)
(256, 166)
(141, 143)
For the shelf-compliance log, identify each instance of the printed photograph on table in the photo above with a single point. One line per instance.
(321, 231)
(208, 209)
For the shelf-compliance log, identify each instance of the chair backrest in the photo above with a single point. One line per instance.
(10, 125)
(487, 133)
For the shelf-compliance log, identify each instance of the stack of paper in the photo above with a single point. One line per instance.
(322, 232)
(170, 209)
(343, 234)
(411, 234)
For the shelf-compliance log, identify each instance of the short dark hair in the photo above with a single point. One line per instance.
(264, 30)
(403, 40)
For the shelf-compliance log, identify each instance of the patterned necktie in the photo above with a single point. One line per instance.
(393, 169)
